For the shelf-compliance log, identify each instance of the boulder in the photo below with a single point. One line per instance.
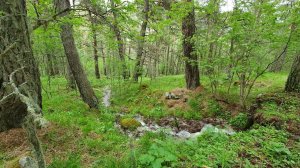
(27, 162)
(130, 123)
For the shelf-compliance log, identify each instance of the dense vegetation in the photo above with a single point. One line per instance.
(150, 83)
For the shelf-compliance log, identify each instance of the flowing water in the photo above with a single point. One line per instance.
(106, 97)
(167, 129)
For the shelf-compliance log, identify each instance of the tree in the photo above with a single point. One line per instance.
(20, 86)
(191, 62)
(293, 81)
(16, 52)
(84, 86)
(141, 41)
(95, 42)
(118, 36)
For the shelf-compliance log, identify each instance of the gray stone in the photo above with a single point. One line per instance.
(183, 134)
(27, 162)
(170, 95)
(106, 97)
(211, 128)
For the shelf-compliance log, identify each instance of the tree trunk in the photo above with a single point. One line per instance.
(191, 61)
(167, 60)
(50, 69)
(103, 59)
(84, 86)
(70, 78)
(293, 81)
(16, 52)
(141, 41)
(97, 72)
(117, 32)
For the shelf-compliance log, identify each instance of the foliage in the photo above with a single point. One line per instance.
(239, 121)
(236, 49)
(258, 147)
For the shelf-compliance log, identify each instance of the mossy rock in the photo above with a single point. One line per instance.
(129, 123)
(14, 163)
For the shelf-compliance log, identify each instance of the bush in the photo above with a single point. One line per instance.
(240, 121)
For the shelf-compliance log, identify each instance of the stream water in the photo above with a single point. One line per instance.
(151, 126)
(106, 97)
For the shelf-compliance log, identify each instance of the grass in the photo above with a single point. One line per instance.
(259, 147)
(88, 138)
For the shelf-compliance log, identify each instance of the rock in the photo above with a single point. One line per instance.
(130, 123)
(140, 119)
(183, 134)
(106, 97)
(27, 162)
(170, 95)
(211, 128)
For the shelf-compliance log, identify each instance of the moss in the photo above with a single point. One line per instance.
(130, 123)
(14, 163)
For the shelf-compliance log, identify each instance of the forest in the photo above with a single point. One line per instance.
(150, 83)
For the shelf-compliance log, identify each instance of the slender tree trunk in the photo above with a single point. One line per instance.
(167, 60)
(49, 67)
(16, 52)
(293, 81)
(243, 90)
(117, 32)
(141, 41)
(95, 46)
(84, 86)
(191, 63)
(103, 59)
(55, 64)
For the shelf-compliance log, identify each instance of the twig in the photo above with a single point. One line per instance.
(8, 49)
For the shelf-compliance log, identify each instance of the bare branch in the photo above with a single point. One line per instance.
(8, 49)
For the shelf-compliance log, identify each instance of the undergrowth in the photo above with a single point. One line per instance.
(89, 138)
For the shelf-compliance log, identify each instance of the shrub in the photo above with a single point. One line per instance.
(240, 121)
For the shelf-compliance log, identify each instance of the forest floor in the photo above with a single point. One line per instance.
(80, 137)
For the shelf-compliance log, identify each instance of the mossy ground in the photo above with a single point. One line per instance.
(80, 137)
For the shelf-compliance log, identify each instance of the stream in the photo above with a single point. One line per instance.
(184, 129)
(106, 97)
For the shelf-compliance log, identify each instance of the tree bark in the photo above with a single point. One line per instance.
(95, 46)
(70, 78)
(84, 86)
(191, 59)
(103, 59)
(16, 52)
(293, 81)
(141, 41)
(117, 32)
(49, 68)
